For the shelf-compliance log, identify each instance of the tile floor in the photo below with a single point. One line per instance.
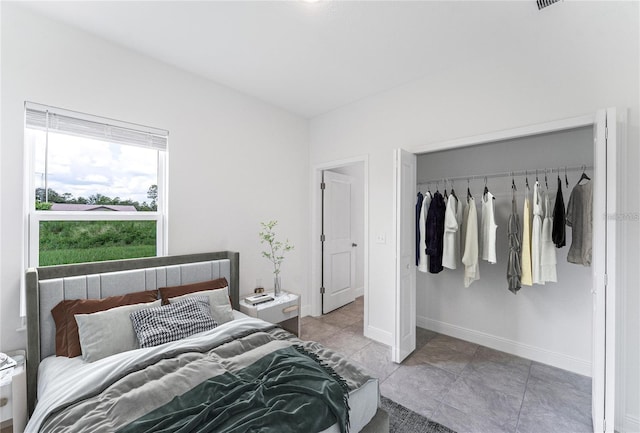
(464, 386)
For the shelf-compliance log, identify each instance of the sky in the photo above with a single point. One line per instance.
(85, 167)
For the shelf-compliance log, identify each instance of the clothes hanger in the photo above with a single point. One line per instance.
(566, 179)
(469, 196)
(446, 195)
(513, 183)
(583, 176)
(486, 189)
(546, 184)
(559, 180)
(526, 179)
(453, 193)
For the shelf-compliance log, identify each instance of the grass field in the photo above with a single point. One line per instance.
(81, 255)
(65, 242)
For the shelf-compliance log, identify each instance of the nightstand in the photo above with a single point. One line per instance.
(13, 396)
(284, 310)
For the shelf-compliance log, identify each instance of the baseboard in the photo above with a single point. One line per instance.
(306, 310)
(631, 424)
(358, 292)
(380, 335)
(534, 353)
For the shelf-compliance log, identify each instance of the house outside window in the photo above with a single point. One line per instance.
(96, 189)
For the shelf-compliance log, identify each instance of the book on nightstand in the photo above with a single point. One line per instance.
(258, 299)
(6, 361)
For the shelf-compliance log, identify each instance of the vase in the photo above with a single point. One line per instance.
(276, 285)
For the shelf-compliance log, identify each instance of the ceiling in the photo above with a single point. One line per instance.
(310, 58)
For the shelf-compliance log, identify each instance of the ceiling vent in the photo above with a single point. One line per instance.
(544, 3)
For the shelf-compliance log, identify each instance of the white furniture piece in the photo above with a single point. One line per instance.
(284, 310)
(13, 394)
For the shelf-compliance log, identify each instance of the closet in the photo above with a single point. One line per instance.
(550, 323)
(569, 324)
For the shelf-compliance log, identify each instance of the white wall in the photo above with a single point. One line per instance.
(232, 158)
(595, 66)
(356, 172)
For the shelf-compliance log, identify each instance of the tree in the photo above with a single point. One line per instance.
(54, 197)
(152, 194)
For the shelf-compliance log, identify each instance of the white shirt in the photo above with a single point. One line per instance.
(526, 241)
(423, 263)
(488, 229)
(451, 242)
(536, 233)
(470, 258)
(548, 251)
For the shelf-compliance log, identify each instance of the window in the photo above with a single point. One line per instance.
(96, 190)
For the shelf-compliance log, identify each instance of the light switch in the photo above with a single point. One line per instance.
(381, 238)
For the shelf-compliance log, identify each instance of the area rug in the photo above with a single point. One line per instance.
(403, 420)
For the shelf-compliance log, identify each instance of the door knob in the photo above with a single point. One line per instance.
(354, 245)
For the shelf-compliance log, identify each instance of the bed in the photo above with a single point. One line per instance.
(242, 375)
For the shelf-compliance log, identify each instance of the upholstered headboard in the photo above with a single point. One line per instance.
(46, 286)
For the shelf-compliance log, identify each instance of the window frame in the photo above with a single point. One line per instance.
(34, 217)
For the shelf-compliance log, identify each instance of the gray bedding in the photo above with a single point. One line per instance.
(111, 393)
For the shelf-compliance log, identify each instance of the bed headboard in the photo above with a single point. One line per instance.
(46, 286)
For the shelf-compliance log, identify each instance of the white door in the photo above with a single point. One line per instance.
(338, 252)
(604, 245)
(404, 341)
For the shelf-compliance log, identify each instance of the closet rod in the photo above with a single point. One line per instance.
(519, 173)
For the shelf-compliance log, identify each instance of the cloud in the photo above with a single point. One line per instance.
(85, 167)
(95, 178)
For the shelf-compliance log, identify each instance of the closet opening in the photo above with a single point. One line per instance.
(568, 324)
(548, 322)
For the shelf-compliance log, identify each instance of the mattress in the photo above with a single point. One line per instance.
(55, 374)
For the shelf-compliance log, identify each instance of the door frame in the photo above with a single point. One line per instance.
(606, 376)
(315, 304)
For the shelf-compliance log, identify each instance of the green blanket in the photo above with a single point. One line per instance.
(288, 390)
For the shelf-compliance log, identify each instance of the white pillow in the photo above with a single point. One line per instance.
(221, 310)
(108, 332)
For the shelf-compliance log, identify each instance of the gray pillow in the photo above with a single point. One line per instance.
(108, 332)
(221, 309)
(158, 325)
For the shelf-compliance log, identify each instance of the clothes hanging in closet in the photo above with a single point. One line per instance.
(418, 210)
(435, 232)
(488, 228)
(470, 257)
(580, 218)
(423, 262)
(559, 229)
(525, 262)
(459, 213)
(548, 251)
(514, 269)
(451, 241)
(536, 233)
(463, 226)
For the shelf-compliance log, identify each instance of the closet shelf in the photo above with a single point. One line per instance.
(519, 173)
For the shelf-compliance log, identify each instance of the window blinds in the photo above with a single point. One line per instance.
(84, 125)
